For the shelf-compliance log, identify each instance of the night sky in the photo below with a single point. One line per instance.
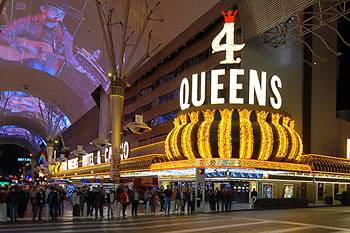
(8, 159)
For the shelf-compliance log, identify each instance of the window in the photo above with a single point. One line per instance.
(146, 91)
(129, 117)
(167, 97)
(160, 119)
(130, 100)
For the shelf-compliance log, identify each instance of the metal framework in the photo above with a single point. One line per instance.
(120, 69)
(324, 13)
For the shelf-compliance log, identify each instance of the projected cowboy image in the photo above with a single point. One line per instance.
(41, 41)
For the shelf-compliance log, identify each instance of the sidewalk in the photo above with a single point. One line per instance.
(68, 211)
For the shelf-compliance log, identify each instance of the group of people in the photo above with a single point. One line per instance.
(96, 198)
(19, 197)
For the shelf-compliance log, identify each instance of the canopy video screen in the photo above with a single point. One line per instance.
(42, 35)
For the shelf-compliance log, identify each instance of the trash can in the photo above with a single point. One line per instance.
(3, 212)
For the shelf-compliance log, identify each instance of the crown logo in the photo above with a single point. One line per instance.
(230, 16)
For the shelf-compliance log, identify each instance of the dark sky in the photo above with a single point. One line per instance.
(8, 158)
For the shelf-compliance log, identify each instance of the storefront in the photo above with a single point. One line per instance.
(226, 140)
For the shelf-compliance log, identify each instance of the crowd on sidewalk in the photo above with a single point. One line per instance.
(151, 199)
(97, 202)
(18, 198)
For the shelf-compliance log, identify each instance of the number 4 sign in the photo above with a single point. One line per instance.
(230, 47)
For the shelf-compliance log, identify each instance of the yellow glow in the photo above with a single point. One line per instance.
(203, 137)
(167, 143)
(224, 134)
(282, 137)
(175, 144)
(300, 142)
(266, 139)
(246, 136)
(293, 151)
(173, 148)
(230, 163)
(186, 136)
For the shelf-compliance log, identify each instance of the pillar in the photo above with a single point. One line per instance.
(116, 99)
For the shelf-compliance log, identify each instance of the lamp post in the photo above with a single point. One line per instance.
(118, 74)
(116, 95)
(49, 150)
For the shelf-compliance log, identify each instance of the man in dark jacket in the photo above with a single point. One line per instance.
(91, 194)
(99, 202)
(62, 194)
(53, 200)
(12, 203)
(40, 202)
(21, 202)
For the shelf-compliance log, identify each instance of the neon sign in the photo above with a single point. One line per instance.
(193, 92)
(229, 31)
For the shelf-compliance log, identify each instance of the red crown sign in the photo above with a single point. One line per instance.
(230, 16)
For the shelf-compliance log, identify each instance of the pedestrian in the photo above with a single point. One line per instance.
(33, 199)
(153, 201)
(124, 200)
(40, 202)
(110, 199)
(12, 203)
(62, 196)
(99, 202)
(91, 195)
(21, 202)
(189, 196)
(173, 201)
(82, 200)
(76, 203)
(135, 200)
(147, 201)
(53, 200)
(167, 200)
(211, 199)
(325, 195)
(161, 198)
(218, 199)
(179, 203)
(254, 197)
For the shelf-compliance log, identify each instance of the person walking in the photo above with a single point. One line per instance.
(135, 200)
(167, 200)
(99, 202)
(12, 203)
(253, 196)
(91, 195)
(53, 200)
(21, 202)
(147, 201)
(76, 203)
(124, 200)
(40, 202)
(33, 199)
(110, 199)
(189, 197)
(62, 196)
(161, 198)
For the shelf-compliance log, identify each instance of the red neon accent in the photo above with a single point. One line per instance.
(230, 16)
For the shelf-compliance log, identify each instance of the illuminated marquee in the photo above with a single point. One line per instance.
(258, 81)
(73, 163)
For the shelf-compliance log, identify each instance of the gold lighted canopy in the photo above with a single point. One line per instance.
(229, 131)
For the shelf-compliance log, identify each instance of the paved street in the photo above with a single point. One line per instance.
(326, 219)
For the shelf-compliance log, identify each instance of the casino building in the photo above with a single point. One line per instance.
(267, 122)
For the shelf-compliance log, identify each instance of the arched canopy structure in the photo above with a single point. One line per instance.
(12, 134)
